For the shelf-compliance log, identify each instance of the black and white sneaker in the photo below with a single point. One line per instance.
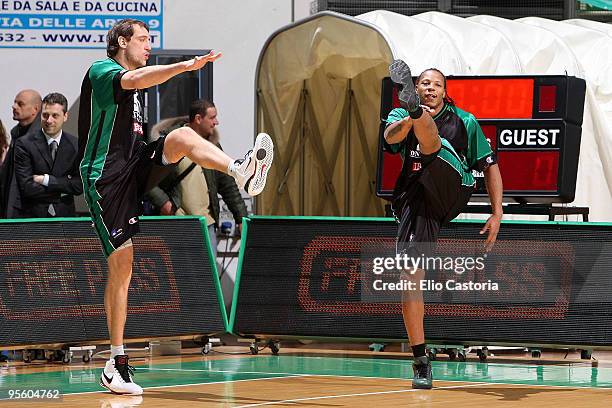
(117, 376)
(422, 373)
(400, 74)
(251, 172)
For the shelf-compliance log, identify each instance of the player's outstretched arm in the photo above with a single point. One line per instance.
(158, 74)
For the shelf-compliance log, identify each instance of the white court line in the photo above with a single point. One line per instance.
(518, 364)
(286, 374)
(228, 381)
(354, 395)
(402, 363)
(203, 370)
(383, 378)
(294, 375)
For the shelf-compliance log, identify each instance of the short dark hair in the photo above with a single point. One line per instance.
(199, 107)
(55, 97)
(122, 28)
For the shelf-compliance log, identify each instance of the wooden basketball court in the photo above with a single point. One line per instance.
(314, 379)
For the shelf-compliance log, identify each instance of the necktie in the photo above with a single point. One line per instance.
(53, 149)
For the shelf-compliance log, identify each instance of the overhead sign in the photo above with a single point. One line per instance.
(72, 23)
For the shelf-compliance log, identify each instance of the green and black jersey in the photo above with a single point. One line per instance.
(110, 124)
(464, 146)
(114, 158)
(433, 189)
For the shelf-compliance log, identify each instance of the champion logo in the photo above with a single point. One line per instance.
(133, 220)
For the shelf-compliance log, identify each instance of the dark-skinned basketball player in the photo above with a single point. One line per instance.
(441, 145)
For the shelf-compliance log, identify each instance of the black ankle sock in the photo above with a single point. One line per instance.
(418, 350)
(416, 113)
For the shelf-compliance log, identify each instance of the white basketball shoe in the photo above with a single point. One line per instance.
(251, 172)
(117, 376)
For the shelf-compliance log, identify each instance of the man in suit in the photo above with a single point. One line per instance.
(46, 165)
(26, 111)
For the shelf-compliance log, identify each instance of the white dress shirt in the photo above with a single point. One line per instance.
(50, 139)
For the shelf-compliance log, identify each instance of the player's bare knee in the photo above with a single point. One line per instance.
(430, 146)
(179, 143)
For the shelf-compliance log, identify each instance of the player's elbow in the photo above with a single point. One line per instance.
(388, 133)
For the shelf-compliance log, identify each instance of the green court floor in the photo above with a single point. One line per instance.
(80, 379)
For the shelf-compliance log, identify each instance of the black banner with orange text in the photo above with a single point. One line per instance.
(542, 283)
(53, 274)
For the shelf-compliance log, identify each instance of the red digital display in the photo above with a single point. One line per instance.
(493, 98)
(490, 98)
(537, 171)
(393, 166)
(548, 98)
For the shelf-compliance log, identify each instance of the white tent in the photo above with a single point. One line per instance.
(318, 88)
(484, 50)
(593, 25)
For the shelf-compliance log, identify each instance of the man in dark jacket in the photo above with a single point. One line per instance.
(192, 190)
(26, 111)
(46, 165)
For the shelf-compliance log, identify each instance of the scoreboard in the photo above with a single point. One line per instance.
(533, 124)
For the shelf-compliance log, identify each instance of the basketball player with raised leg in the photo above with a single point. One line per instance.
(116, 164)
(441, 145)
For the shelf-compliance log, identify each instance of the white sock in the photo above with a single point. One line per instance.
(165, 161)
(117, 351)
